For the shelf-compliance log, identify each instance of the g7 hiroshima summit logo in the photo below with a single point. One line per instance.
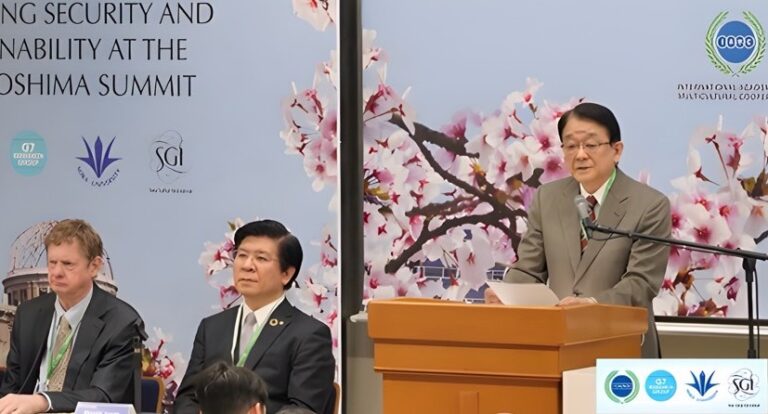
(735, 47)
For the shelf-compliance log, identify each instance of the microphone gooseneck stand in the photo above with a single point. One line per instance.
(749, 263)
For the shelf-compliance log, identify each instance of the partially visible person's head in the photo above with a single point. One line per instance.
(591, 143)
(295, 410)
(267, 259)
(226, 389)
(74, 251)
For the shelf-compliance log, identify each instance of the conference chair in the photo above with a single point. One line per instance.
(152, 394)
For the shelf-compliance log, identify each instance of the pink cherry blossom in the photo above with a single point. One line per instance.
(385, 101)
(704, 227)
(318, 13)
(474, 259)
(554, 168)
(215, 257)
(162, 364)
(551, 112)
(371, 53)
(321, 162)
(525, 98)
(228, 296)
(457, 290)
(728, 214)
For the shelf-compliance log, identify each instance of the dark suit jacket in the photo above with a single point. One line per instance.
(101, 368)
(619, 271)
(294, 358)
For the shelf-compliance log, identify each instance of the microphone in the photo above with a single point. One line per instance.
(583, 208)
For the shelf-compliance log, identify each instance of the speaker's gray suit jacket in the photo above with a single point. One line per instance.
(619, 271)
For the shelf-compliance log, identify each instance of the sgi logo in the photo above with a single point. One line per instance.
(621, 387)
(167, 157)
(743, 384)
(735, 47)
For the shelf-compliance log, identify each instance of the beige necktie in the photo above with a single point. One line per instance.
(246, 331)
(56, 380)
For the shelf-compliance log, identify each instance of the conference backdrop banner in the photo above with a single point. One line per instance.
(478, 87)
(166, 125)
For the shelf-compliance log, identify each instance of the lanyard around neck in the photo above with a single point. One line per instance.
(251, 343)
(608, 186)
(55, 359)
(254, 336)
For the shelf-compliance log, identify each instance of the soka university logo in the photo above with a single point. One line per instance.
(622, 386)
(703, 387)
(735, 47)
(99, 160)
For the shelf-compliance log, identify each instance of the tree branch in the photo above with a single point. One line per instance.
(455, 145)
(492, 219)
(453, 179)
(449, 207)
(486, 193)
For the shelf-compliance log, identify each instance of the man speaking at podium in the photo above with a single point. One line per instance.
(75, 344)
(555, 248)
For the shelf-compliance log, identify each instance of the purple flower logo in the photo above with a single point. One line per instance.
(97, 158)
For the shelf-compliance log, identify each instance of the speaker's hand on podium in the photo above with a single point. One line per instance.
(491, 298)
(575, 300)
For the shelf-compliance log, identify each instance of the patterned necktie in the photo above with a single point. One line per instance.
(592, 201)
(246, 332)
(56, 380)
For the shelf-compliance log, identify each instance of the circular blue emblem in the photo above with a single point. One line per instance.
(735, 41)
(660, 385)
(28, 153)
(622, 386)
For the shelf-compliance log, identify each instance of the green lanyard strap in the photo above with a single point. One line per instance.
(251, 343)
(608, 186)
(55, 360)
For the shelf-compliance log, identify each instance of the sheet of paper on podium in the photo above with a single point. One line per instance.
(524, 294)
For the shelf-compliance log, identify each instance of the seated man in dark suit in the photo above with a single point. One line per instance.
(74, 344)
(290, 350)
(226, 389)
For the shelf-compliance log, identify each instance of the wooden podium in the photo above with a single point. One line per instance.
(454, 358)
